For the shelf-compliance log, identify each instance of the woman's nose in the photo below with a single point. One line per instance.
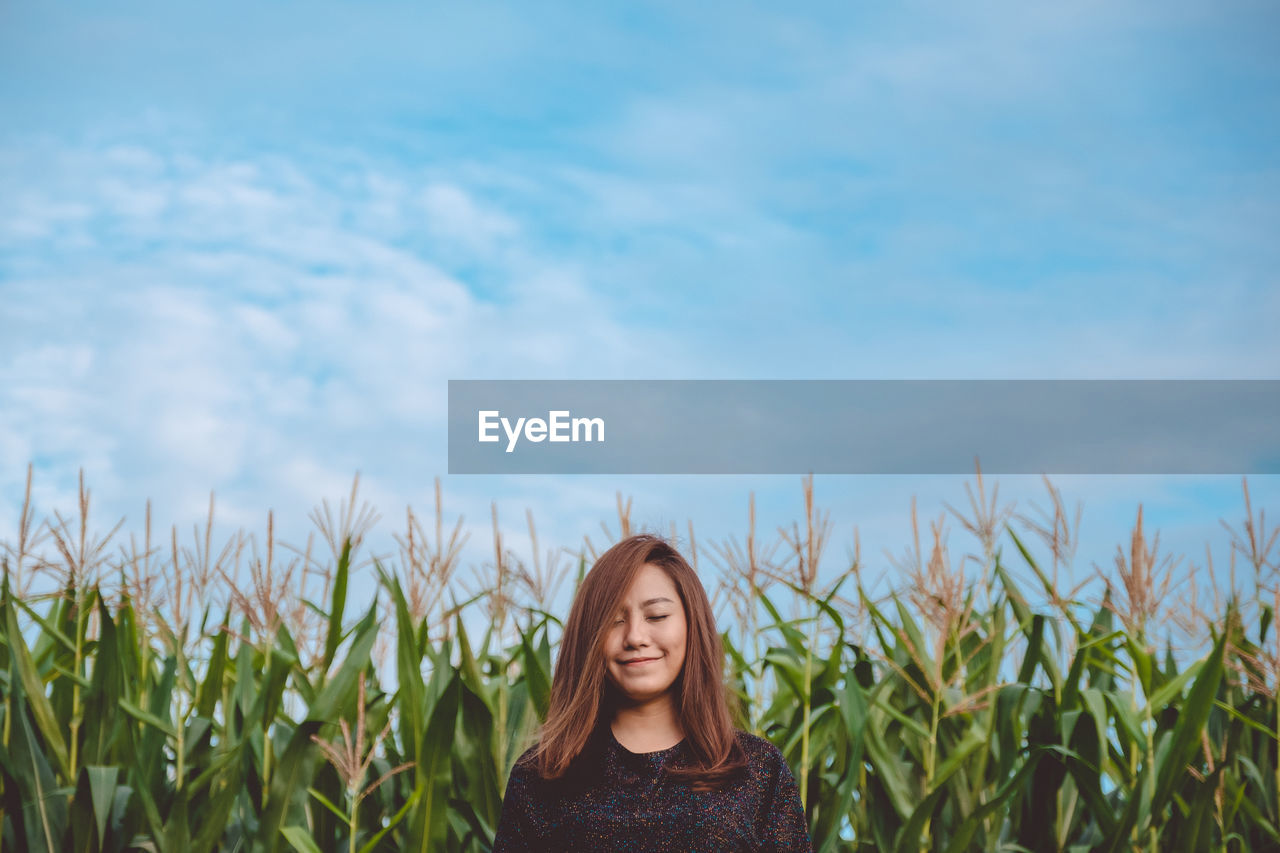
(637, 633)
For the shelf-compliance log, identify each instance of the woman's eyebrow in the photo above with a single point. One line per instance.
(660, 600)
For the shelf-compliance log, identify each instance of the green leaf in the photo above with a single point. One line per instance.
(1035, 647)
(102, 730)
(23, 669)
(340, 691)
(1000, 801)
(147, 717)
(271, 689)
(1172, 689)
(102, 790)
(51, 630)
(536, 677)
(300, 839)
(288, 779)
(218, 787)
(912, 725)
(44, 806)
(211, 687)
(909, 840)
(1045, 581)
(889, 770)
(958, 754)
(328, 804)
(1192, 717)
(1017, 602)
(337, 605)
(410, 689)
(431, 823)
(372, 843)
(1253, 724)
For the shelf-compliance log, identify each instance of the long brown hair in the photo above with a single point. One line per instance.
(578, 688)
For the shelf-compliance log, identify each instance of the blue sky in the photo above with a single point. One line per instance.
(244, 246)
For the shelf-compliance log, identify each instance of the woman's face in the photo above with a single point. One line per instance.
(644, 649)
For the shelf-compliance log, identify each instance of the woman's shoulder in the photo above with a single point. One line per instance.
(759, 751)
(526, 766)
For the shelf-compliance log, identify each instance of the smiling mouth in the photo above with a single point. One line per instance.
(638, 661)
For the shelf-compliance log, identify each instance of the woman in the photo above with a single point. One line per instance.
(638, 752)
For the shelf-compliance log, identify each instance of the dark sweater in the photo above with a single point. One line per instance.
(617, 800)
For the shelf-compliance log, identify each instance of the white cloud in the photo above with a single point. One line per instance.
(456, 215)
(246, 327)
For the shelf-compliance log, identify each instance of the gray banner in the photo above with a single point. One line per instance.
(864, 426)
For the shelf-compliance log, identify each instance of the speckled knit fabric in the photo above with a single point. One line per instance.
(616, 800)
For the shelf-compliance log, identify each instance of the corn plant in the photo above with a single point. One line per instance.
(969, 706)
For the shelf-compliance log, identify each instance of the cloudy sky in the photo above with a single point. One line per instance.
(243, 247)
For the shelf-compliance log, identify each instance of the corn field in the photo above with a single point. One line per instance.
(177, 694)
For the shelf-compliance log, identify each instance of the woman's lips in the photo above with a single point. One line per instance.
(638, 661)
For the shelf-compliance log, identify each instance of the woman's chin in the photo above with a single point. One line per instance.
(639, 694)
